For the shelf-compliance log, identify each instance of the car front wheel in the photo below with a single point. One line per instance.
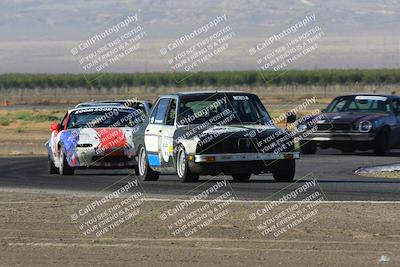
(145, 172)
(182, 167)
(348, 149)
(242, 177)
(382, 143)
(308, 147)
(64, 168)
(285, 171)
(51, 168)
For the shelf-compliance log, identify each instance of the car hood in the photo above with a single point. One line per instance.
(105, 138)
(349, 117)
(239, 131)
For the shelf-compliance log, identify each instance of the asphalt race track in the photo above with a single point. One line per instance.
(332, 170)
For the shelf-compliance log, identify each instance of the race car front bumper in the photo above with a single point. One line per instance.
(236, 163)
(88, 157)
(336, 136)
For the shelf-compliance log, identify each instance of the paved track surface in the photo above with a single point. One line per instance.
(332, 170)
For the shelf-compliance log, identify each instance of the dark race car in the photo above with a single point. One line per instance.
(209, 133)
(355, 122)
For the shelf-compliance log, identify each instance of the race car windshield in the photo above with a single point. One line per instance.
(135, 105)
(223, 109)
(104, 117)
(360, 104)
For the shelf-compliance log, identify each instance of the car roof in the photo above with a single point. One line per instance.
(123, 100)
(369, 94)
(96, 104)
(100, 106)
(111, 102)
(206, 92)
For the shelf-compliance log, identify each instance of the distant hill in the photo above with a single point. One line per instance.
(37, 35)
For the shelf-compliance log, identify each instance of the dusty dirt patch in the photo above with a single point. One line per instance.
(37, 230)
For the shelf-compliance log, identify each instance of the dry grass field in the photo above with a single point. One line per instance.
(269, 94)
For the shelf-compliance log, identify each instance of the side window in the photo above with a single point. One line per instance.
(170, 119)
(339, 105)
(153, 113)
(63, 121)
(161, 111)
(396, 106)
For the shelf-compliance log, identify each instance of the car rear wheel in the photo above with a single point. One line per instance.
(145, 172)
(242, 177)
(382, 143)
(136, 168)
(348, 149)
(182, 167)
(308, 147)
(284, 171)
(52, 169)
(64, 168)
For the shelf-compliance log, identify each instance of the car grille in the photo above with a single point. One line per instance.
(333, 127)
(230, 145)
(110, 158)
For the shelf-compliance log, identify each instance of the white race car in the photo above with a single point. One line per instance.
(211, 133)
(95, 137)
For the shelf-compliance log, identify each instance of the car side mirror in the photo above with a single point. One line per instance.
(290, 117)
(55, 126)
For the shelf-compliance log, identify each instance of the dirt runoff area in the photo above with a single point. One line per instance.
(392, 174)
(38, 230)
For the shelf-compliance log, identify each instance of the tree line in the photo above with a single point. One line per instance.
(219, 78)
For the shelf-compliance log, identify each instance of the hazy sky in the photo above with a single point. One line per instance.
(38, 35)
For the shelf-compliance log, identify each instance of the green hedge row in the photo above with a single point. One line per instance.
(250, 78)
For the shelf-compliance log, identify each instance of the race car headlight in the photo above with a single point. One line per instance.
(302, 128)
(196, 138)
(364, 126)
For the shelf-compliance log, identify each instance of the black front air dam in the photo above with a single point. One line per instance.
(234, 167)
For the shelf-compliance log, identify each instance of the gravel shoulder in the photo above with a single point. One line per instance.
(394, 174)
